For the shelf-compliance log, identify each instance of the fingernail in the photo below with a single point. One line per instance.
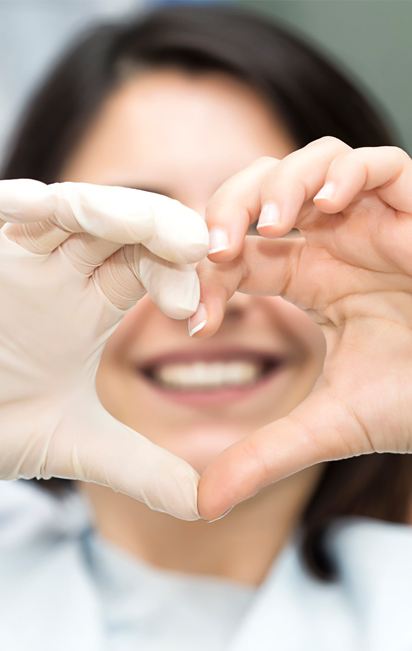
(269, 215)
(326, 192)
(198, 320)
(220, 516)
(218, 240)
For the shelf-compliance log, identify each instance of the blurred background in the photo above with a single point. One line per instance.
(369, 39)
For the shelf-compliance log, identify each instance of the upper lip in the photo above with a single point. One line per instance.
(212, 355)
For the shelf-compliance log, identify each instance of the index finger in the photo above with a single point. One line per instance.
(234, 207)
(167, 228)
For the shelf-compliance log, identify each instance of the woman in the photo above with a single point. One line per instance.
(176, 104)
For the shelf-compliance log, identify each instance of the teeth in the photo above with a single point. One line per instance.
(204, 375)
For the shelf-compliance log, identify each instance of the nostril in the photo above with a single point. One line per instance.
(234, 313)
(239, 305)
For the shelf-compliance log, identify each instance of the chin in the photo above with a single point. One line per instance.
(202, 444)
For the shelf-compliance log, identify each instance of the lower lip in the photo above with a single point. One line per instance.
(216, 396)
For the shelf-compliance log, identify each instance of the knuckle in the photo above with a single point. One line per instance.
(331, 143)
(265, 161)
(330, 140)
(402, 155)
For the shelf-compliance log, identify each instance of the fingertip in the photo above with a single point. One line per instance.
(219, 517)
(212, 502)
(270, 223)
(223, 247)
(208, 317)
(269, 215)
(218, 240)
(180, 234)
(329, 206)
(25, 201)
(225, 244)
(224, 255)
(269, 231)
(325, 199)
(202, 328)
(172, 287)
(198, 320)
(327, 191)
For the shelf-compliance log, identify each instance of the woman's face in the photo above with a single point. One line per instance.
(183, 135)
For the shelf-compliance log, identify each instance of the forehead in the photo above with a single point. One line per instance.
(168, 123)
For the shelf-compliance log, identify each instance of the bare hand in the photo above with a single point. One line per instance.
(351, 271)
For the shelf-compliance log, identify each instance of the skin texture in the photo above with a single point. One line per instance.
(352, 273)
(184, 136)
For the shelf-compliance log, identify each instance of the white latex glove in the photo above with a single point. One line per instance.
(66, 281)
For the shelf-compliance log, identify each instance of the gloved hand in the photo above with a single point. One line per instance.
(74, 258)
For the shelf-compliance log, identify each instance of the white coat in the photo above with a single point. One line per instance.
(62, 588)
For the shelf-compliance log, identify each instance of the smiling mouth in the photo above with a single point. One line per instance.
(211, 375)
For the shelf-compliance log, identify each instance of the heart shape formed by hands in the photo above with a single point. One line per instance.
(74, 258)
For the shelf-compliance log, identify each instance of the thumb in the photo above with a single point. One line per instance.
(93, 446)
(320, 429)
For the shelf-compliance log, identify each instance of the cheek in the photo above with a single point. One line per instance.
(310, 332)
(306, 342)
(130, 328)
(299, 328)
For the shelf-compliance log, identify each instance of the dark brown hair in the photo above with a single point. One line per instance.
(312, 98)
